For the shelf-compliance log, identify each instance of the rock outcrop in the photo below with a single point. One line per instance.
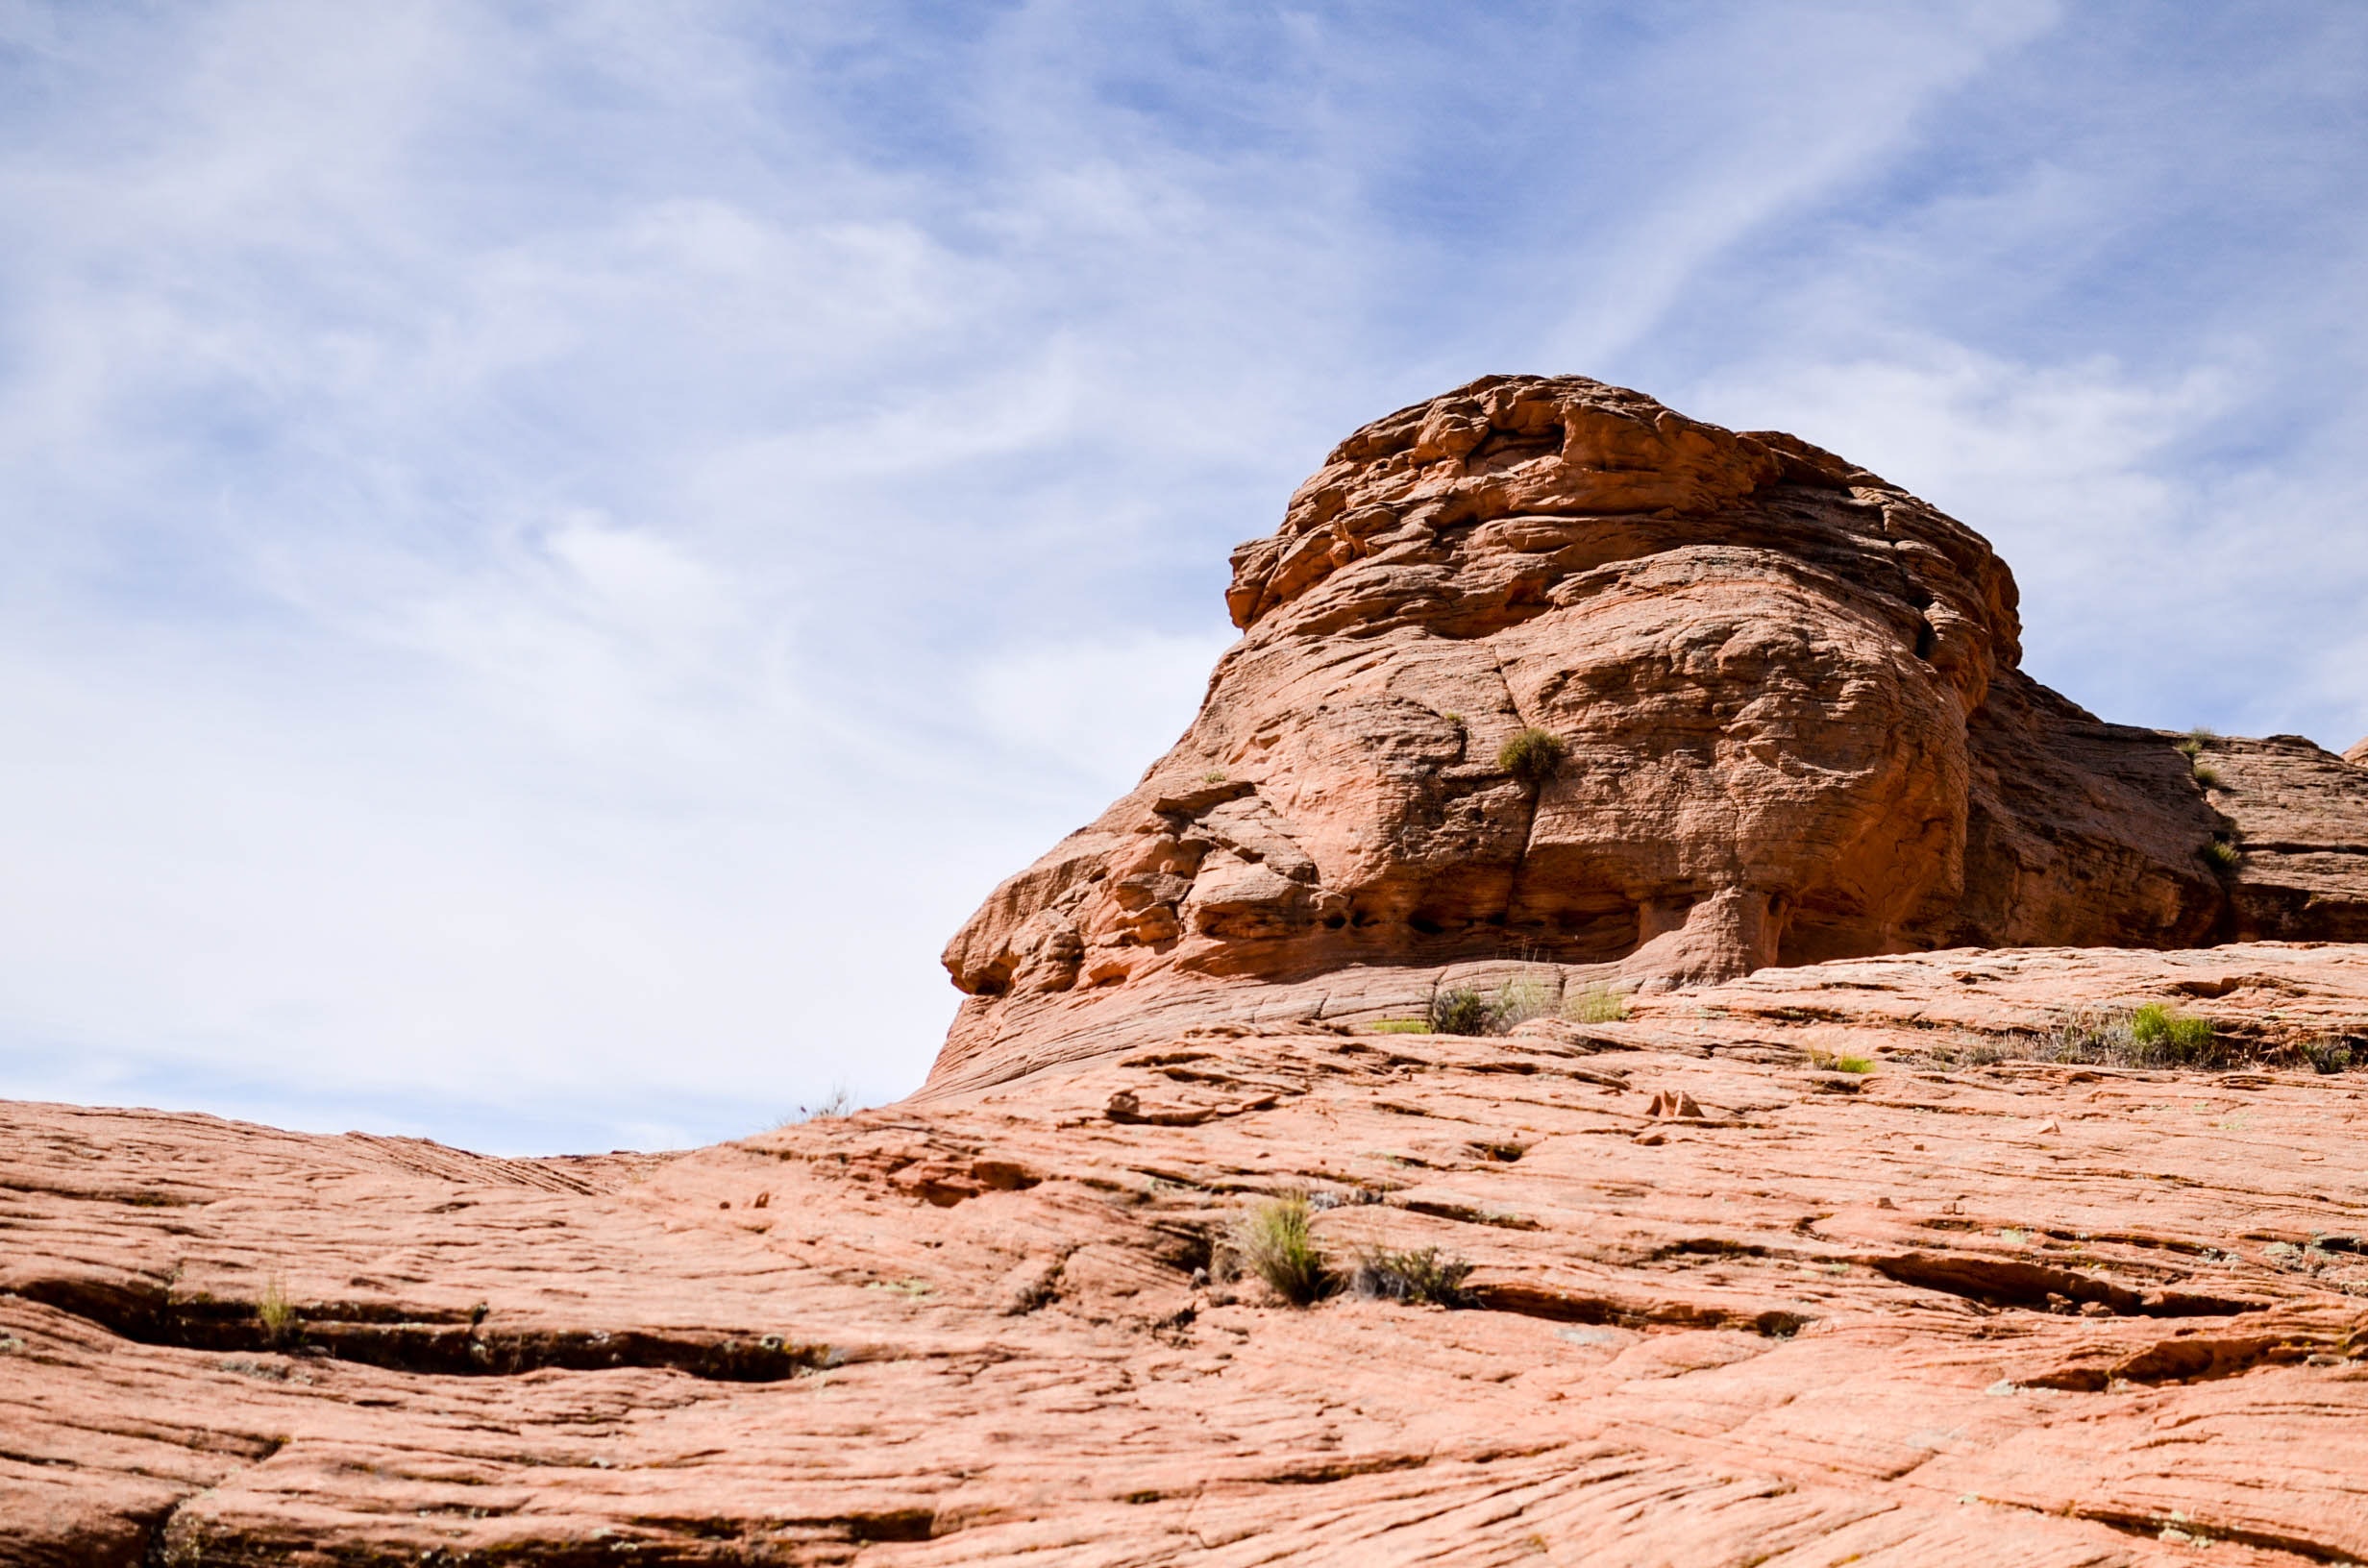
(1725, 1305)
(1786, 724)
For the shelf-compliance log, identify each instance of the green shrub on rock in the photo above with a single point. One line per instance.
(1533, 756)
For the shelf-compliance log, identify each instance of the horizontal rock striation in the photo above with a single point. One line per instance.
(1788, 726)
(1726, 1303)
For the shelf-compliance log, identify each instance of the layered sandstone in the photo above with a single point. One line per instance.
(1794, 730)
(1727, 1305)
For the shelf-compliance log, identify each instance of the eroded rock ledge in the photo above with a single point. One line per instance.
(1793, 729)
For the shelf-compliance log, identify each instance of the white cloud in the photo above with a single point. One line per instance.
(2155, 587)
(1102, 708)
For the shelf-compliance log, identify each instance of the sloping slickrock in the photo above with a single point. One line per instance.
(1792, 728)
(1729, 1304)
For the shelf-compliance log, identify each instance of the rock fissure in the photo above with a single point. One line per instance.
(2016, 1282)
(2193, 1533)
(429, 1343)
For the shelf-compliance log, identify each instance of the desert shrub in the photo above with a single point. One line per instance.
(1517, 1001)
(2156, 1035)
(1972, 1051)
(1533, 756)
(2328, 1053)
(2210, 777)
(2198, 738)
(1400, 1026)
(1273, 1243)
(1460, 1010)
(2099, 1037)
(2161, 1035)
(278, 1315)
(1596, 1004)
(1423, 1276)
(1853, 1063)
(2223, 855)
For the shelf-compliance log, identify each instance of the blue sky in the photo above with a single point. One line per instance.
(554, 552)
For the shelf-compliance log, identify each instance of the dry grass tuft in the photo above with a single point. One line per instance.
(281, 1321)
(1273, 1243)
(1417, 1277)
(1596, 1004)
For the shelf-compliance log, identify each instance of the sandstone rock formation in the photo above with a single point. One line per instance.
(2300, 817)
(2357, 756)
(1792, 729)
(1887, 1251)
(1726, 1307)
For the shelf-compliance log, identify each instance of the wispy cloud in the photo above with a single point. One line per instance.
(554, 555)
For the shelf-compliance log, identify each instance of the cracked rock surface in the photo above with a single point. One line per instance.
(1731, 1300)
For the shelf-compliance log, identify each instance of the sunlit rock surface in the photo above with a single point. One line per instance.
(1793, 723)
(1936, 1312)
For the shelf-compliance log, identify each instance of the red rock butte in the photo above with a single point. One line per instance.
(1787, 722)
(1929, 1131)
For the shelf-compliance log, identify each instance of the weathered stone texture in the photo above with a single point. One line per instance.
(1795, 731)
(1727, 1305)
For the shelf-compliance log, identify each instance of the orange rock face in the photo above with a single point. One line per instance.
(1790, 728)
(1803, 1268)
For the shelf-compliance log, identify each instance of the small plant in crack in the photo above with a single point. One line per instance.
(2162, 1035)
(1533, 756)
(2200, 740)
(1417, 1277)
(281, 1322)
(2328, 1053)
(1273, 1241)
